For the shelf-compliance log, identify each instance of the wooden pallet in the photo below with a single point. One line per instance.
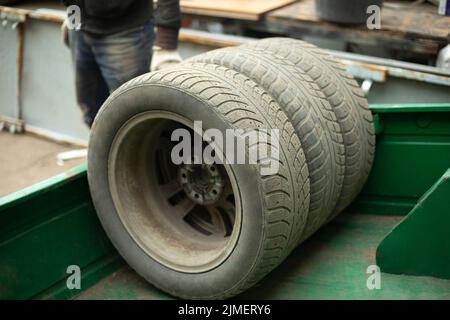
(234, 9)
(415, 28)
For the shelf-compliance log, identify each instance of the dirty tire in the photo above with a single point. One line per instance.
(275, 207)
(348, 102)
(310, 113)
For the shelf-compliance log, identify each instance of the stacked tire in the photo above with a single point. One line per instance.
(211, 231)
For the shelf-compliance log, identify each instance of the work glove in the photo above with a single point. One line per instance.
(65, 33)
(164, 58)
(443, 60)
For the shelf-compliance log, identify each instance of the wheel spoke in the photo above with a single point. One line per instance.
(226, 205)
(171, 188)
(217, 225)
(183, 207)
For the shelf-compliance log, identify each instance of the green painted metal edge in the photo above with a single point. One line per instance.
(44, 229)
(386, 206)
(418, 107)
(43, 186)
(90, 276)
(420, 244)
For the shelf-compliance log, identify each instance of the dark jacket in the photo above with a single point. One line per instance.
(104, 17)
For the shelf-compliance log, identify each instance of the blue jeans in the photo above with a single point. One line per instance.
(104, 63)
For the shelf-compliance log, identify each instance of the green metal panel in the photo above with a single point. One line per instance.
(420, 244)
(49, 226)
(46, 228)
(413, 149)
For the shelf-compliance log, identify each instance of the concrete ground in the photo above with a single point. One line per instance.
(26, 160)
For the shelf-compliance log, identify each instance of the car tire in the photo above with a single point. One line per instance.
(270, 211)
(311, 114)
(348, 102)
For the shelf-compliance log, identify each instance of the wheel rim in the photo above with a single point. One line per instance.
(187, 217)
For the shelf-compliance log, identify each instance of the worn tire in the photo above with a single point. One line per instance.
(310, 113)
(275, 206)
(348, 102)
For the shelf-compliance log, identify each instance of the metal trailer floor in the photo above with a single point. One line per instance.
(331, 265)
(26, 159)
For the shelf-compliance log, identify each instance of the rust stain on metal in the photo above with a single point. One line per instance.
(8, 11)
(369, 71)
(46, 17)
(370, 67)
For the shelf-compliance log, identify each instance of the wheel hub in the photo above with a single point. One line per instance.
(202, 183)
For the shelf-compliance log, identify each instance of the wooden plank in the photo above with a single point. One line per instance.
(236, 9)
(388, 39)
(415, 22)
(410, 21)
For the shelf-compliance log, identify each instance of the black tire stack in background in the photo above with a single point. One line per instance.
(327, 145)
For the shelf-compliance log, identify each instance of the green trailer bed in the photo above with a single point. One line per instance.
(50, 226)
(330, 265)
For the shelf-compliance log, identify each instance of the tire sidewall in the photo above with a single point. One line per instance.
(225, 278)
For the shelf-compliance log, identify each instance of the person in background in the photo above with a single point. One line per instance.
(116, 42)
